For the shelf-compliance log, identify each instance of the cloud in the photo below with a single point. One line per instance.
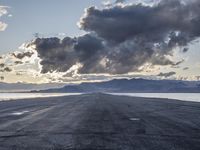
(3, 11)
(123, 38)
(2, 65)
(120, 1)
(21, 55)
(185, 50)
(198, 78)
(18, 62)
(178, 63)
(1, 78)
(107, 3)
(25, 63)
(166, 75)
(55, 54)
(6, 69)
(60, 55)
(186, 68)
(3, 26)
(168, 19)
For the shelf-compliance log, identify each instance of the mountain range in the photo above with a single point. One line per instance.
(131, 86)
(27, 87)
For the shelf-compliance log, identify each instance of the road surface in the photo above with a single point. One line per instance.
(99, 122)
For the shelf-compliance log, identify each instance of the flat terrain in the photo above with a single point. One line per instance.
(99, 121)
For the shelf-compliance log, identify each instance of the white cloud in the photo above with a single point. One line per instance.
(107, 3)
(3, 11)
(3, 26)
(10, 15)
(61, 34)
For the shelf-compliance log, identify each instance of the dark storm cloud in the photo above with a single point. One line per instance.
(61, 55)
(90, 50)
(153, 23)
(121, 39)
(153, 31)
(22, 55)
(87, 46)
(168, 74)
(56, 55)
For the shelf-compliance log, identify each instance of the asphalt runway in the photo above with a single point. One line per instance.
(99, 122)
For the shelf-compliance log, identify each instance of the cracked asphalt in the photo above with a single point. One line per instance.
(99, 122)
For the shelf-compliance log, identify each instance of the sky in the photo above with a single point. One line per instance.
(77, 41)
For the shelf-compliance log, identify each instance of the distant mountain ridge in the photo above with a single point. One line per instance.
(133, 85)
(26, 87)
